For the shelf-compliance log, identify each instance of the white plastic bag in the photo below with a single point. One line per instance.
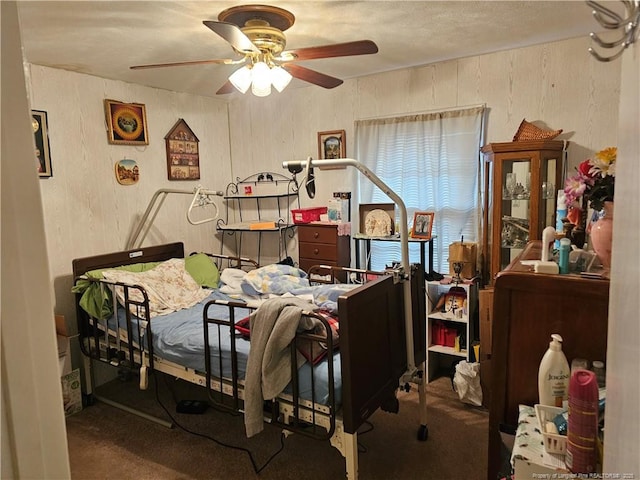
(466, 382)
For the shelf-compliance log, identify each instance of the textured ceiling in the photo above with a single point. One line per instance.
(104, 38)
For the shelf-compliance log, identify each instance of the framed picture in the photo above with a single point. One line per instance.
(41, 134)
(183, 158)
(127, 172)
(332, 145)
(126, 123)
(422, 225)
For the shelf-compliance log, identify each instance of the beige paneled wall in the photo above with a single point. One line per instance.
(558, 84)
(86, 211)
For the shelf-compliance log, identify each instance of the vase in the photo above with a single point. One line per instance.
(602, 234)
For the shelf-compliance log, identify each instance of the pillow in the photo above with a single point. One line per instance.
(96, 297)
(313, 350)
(203, 270)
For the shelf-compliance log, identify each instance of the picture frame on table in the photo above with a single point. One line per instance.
(422, 225)
(126, 123)
(40, 126)
(332, 144)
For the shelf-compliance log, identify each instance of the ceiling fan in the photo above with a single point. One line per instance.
(255, 32)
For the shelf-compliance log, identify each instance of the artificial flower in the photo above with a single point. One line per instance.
(594, 180)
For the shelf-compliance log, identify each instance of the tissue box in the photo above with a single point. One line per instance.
(71, 392)
(334, 211)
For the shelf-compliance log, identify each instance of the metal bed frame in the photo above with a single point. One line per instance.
(378, 302)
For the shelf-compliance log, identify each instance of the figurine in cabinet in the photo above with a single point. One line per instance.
(519, 200)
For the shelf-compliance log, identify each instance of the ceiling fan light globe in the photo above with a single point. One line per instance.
(241, 79)
(280, 78)
(261, 79)
(259, 91)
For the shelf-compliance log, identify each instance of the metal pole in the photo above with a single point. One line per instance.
(404, 245)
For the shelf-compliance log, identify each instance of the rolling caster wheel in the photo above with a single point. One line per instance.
(423, 433)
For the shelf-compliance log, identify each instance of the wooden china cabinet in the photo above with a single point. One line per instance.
(521, 186)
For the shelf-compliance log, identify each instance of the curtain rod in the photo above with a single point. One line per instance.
(426, 112)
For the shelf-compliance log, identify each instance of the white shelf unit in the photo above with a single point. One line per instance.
(444, 307)
(261, 198)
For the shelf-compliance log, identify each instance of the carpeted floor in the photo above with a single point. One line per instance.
(107, 443)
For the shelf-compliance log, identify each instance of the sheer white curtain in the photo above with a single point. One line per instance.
(432, 160)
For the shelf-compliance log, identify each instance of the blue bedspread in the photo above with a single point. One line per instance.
(178, 337)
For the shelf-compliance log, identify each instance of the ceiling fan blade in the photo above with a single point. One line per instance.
(226, 61)
(232, 34)
(312, 76)
(226, 88)
(360, 47)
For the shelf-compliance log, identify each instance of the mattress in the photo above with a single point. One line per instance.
(179, 338)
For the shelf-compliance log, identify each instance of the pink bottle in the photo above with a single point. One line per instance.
(582, 430)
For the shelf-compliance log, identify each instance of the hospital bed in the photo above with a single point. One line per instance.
(329, 397)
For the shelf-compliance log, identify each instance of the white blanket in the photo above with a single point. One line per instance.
(169, 287)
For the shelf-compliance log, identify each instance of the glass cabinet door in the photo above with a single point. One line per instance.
(521, 186)
(516, 209)
(527, 206)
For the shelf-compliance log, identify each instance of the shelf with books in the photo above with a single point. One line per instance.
(450, 325)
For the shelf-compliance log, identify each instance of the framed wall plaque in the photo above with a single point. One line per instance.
(126, 123)
(183, 156)
(41, 135)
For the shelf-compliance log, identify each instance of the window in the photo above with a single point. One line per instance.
(432, 161)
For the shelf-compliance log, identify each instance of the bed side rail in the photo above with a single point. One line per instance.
(119, 338)
(291, 410)
(226, 261)
(303, 416)
(329, 274)
(220, 396)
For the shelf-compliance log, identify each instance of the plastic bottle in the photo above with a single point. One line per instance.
(554, 374)
(563, 259)
(561, 212)
(598, 369)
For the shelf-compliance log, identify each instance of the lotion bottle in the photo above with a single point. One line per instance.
(561, 212)
(554, 374)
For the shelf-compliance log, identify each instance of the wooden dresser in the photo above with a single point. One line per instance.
(527, 308)
(320, 244)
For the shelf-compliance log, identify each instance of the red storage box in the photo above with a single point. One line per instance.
(441, 334)
(307, 215)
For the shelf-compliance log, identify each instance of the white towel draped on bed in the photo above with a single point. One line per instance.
(169, 287)
(273, 327)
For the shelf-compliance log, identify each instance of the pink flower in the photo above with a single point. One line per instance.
(574, 188)
(595, 180)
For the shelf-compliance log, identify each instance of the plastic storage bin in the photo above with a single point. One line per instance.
(307, 215)
(553, 442)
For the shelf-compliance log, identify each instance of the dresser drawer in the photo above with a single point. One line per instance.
(317, 234)
(319, 251)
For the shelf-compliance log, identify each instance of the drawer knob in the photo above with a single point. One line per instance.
(316, 234)
(316, 251)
